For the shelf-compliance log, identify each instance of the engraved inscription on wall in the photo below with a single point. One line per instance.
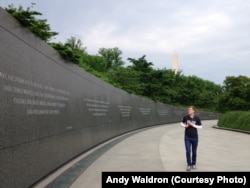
(39, 99)
(162, 112)
(145, 111)
(125, 110)
(179, 112)
(97, 107)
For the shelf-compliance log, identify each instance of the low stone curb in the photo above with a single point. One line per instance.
(230, 129)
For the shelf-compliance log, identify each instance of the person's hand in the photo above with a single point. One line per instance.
(189, 124)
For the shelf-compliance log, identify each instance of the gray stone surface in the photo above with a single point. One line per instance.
(52, 110)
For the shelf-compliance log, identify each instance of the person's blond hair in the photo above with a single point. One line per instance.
(193, 107)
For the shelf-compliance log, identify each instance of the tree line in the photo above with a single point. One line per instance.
(139, 77)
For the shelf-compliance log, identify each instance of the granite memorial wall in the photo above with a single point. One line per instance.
(52, 110)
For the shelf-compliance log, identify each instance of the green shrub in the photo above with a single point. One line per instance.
(236, 120)
(244, 123)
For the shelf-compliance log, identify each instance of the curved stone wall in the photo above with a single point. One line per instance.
(52, 110)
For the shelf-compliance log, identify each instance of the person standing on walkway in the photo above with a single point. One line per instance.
(191, 123)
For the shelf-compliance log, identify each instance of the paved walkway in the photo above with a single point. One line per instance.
(159, 148)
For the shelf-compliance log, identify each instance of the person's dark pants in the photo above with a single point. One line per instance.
(191, 150)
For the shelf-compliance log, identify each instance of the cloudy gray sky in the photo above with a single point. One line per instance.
(211, 37)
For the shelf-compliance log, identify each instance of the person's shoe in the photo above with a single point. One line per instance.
(188, 168)
(193, 167)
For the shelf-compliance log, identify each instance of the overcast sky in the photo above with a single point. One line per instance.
(211, 37)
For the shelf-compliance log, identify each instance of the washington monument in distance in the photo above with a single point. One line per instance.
(175, 64)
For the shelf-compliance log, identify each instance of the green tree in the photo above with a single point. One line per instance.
(75, 44)
(67, 53)
(112, 56)
(94, 62)
(235, 94)
(127, 79)
(141, 64)
(71, 50)
(28, 19)
(144, 70)
(209, 95)
(167, 82)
